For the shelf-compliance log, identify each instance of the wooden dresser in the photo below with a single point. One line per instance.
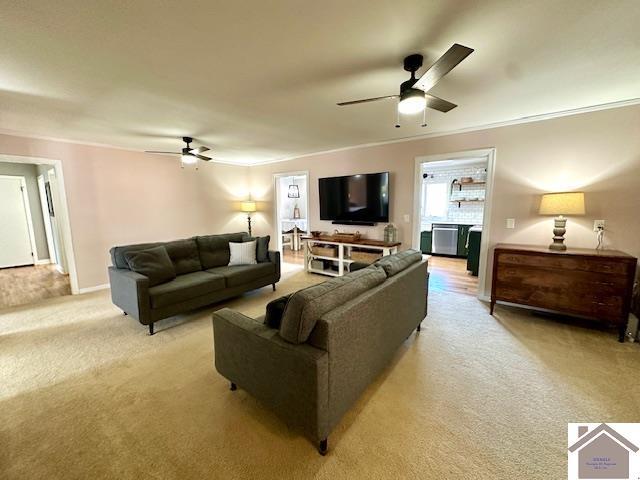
(589, 283)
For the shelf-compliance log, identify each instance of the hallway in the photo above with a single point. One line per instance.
(24, 285)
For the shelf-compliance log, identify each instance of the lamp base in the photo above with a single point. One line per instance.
(559, 229)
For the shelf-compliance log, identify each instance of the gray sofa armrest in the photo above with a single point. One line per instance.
(290, 379)
(130, 292)
(274, 257)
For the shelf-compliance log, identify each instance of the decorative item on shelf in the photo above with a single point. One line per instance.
(390, 233)
(324, 250)
(466, 180)
(346, 237)
(560, 204)
(315, 233)
(248, 207)
(293, 191)
(296, 212)
(364, 256)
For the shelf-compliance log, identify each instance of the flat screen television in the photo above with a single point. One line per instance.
(355, 199)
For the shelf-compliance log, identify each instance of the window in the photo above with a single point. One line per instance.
(435, 200)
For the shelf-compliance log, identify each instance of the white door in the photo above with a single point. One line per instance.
(15, 242)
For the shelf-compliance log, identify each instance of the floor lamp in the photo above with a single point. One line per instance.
(248, 207)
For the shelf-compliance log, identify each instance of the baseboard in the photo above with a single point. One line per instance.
(44, 261)
(484, 298)
(60, 270)
(93, 289)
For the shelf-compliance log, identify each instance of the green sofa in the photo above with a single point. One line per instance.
(202, 277)
(334, 339)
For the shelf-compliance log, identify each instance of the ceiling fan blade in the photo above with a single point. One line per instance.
(354, 102)
(202, 157)
(439, 104)
(199, 150)
(164, 153)
(442, 66)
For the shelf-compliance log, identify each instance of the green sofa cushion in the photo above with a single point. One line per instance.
(154, 263)
(214, 249)
(117, 253)
(274, 311)
(394, 264)
(185, 287)
(307, 306)
(237, 275)
(184, 255)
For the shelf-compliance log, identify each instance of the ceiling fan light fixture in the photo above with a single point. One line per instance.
(412, 101)
(189, 159)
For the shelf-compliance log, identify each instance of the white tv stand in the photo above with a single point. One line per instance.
(344, 248)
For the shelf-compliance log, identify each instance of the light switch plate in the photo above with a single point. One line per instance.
(598, 225)
(511, 223)
(407, 218)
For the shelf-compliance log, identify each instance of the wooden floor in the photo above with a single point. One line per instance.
(450, 275)
(23, 285)
(447, 274)
(295, 257)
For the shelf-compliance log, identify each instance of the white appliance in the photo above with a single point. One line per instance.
(15, 239)
(445, 239)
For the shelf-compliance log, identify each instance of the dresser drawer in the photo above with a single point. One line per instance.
(567, 281)
(573, 291)
(553, 261)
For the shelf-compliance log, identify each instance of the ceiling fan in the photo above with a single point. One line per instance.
(188, 155)
(414, 96)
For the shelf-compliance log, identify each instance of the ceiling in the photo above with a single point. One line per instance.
(258, 81)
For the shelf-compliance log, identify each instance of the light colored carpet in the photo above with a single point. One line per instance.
(85, 393)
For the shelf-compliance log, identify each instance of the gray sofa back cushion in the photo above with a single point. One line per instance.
(117, 253)
(154, 263)
(305, 307)
(184, 255)
(214, 249)
(393, 264)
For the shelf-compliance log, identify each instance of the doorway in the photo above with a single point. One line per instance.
(32, 251)
(17, 242)
(451, 212)
(292, 219)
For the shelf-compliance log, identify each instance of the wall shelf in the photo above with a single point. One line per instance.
(475, 182)
(460, 202)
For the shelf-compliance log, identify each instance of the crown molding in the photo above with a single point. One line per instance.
(441, 133)
(476, 128)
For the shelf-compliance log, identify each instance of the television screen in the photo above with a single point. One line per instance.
(355, 198)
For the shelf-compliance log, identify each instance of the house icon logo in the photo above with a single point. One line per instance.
(602, 451)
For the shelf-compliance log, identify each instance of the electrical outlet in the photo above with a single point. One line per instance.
(407, 218)
(511, 223)
(598, 225)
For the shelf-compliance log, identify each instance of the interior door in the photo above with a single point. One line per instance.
(15, 242)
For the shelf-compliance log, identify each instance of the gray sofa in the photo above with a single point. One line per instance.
(334, 339)
(202, 277)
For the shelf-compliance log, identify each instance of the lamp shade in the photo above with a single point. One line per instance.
(564, 203)
(249, 206)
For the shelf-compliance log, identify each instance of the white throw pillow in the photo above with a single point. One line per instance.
(243, 253)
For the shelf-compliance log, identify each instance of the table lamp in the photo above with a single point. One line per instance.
(560, 204)
(248, 207)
